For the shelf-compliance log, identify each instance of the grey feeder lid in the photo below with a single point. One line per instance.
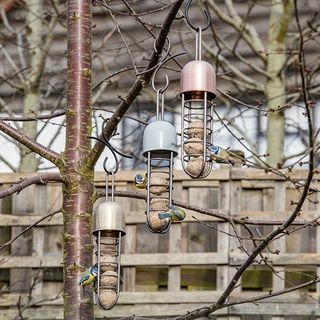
(109, 216)
(160, 137)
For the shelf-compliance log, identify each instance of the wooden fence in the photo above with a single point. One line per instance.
(170, 274)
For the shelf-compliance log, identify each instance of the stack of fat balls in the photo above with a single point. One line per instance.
(160, 211)
(193, 147)
(108, 280)
(108, 274)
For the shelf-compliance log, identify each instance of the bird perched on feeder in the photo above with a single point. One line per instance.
(140, 181)
(89, 276)
(174, 213)
(220, 155)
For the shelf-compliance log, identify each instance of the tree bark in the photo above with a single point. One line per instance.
(275, 87)
(78, 188)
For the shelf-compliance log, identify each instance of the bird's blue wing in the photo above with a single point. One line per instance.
(164, 215)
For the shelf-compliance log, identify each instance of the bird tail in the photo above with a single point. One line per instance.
(164, 215)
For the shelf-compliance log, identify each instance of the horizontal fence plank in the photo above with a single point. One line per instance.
(56, 313)
(252, 174)
(166, 297)
(168, 259)
(132, 217)
(127, 260)
(174, 259)
(179, 175)
(26, 220)
(135, 217)
(144, 310)
(285, 259)
(276, 309)
(30, 262)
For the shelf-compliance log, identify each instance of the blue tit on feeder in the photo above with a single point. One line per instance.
(174, 214)
(89, 276)
(140, 181)
(220, 155)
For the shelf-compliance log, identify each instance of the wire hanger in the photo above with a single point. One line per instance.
(192, 26)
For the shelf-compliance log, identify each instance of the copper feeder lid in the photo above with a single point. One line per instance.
(198, 76)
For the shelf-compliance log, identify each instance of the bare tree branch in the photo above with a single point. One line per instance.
(24, 183)
(33, 145)
(250, 34)
(139, 84)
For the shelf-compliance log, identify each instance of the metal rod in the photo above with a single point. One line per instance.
(198, 44)
(182, 133)
(118, 265)
(98, 258)
(170, 178)
(148, 185)
(112, 187)
(157, 104)
(162, 106)
(107, 187)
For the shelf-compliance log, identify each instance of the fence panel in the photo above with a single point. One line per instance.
(189, 267)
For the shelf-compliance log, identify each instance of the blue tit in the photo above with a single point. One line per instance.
(89, 276)
(140, 181)
(174, 214)
(219, 155)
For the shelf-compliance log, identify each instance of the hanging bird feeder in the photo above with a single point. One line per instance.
(108, 228)
(159, 147)
(197, 89)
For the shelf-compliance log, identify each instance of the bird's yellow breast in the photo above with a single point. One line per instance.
(88, 281)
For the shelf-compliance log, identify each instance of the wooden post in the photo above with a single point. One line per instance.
(130, 240)
(40, 207)
(278, 281)
(174, 273)
(129, 273)
(223, 242)
(235, 198)
(23, 203)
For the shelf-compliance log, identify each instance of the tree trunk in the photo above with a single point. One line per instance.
(275, 88)
(78, 189)
(31, 100)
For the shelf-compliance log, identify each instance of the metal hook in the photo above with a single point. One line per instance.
(162, 90)
(105, 164)
(198, 28)
(113, 150)
(161, 61)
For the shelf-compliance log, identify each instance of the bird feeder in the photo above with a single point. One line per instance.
(159, 148)
(109, 228)
(197, 90)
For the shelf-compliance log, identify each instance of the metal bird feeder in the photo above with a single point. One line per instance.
(197, 90)
(108, 228)
(159, 147)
